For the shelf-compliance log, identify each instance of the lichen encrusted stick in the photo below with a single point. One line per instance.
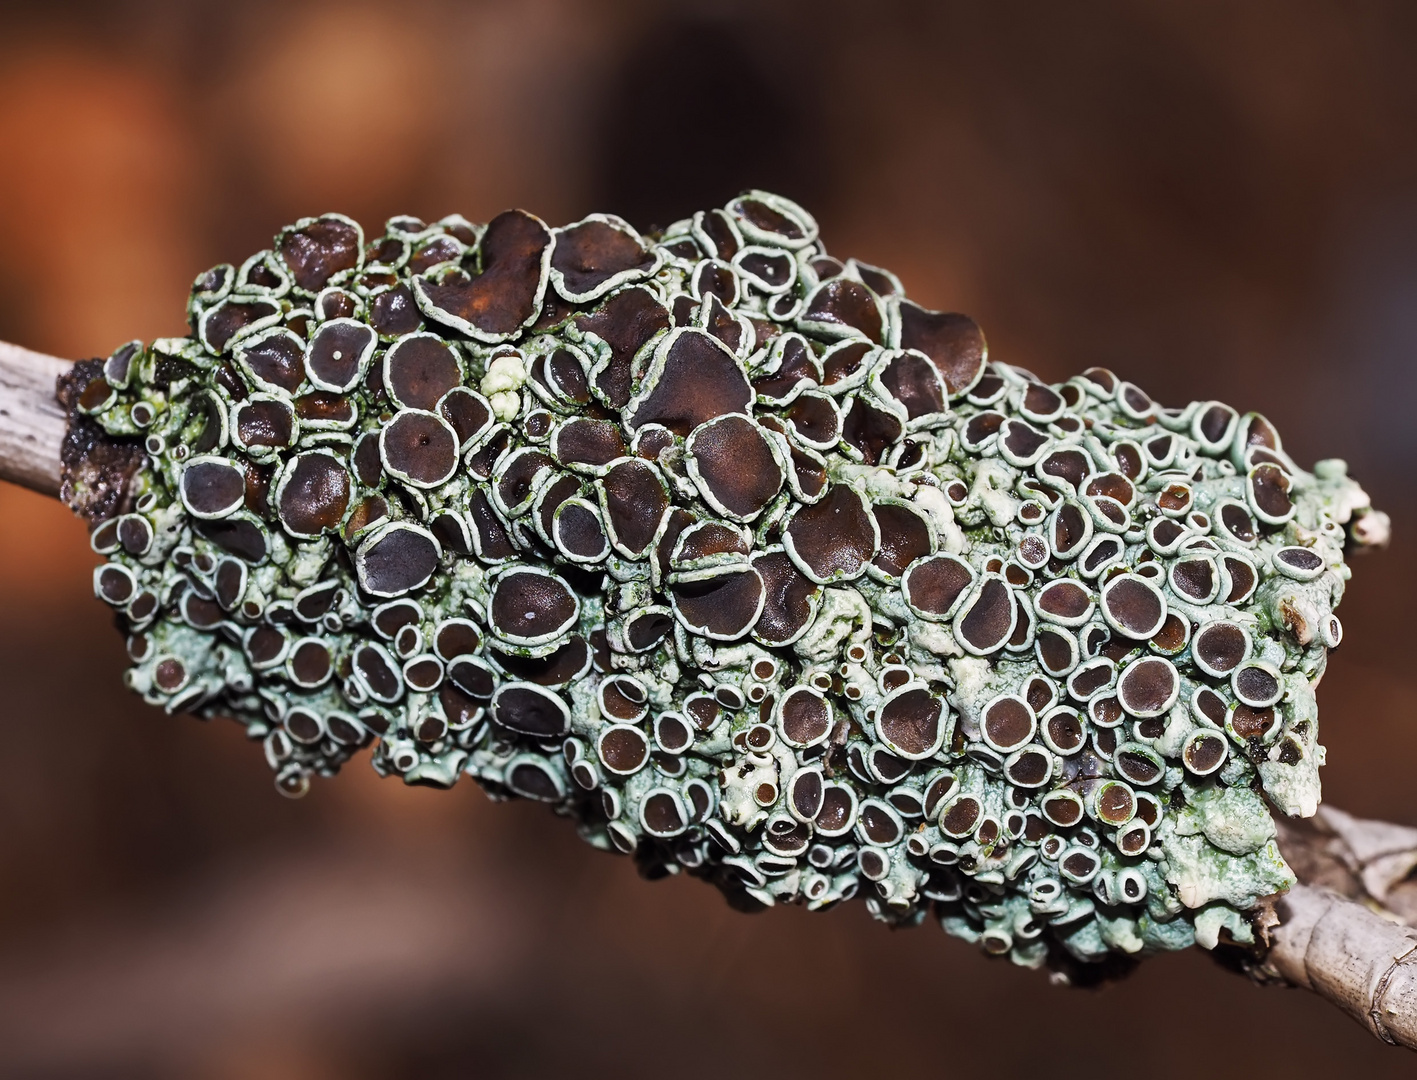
(730, 551)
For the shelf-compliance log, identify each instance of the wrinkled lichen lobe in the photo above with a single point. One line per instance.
(727, 549)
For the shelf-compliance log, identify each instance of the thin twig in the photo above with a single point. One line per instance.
(32, 424)
(1346, 933)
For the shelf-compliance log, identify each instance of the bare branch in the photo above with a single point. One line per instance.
(1359, 960)
(32, 424)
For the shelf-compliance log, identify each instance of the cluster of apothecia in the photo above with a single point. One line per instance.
(730, 551)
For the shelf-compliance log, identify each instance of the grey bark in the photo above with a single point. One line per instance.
(32, 424)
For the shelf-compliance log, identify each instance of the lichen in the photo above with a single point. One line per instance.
(731, 552)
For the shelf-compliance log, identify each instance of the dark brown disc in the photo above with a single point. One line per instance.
(1071, 466)
(789, 601)
(326, 410)
(507, 295)
(1133, 606)
(647, 629)
(724, 606)
(905, 538)
(1256, 684)
(954, 344)
(809, 473)
(796, 367)
(594, 254)
(532, 779)
(1148, 687)
(834, 539)
(242, 538)
(420, 369)
(1115, 803)
(672, 733)
(1064, 731)
(1242, 579)
(265, 646)
(634, 501)
(879, 824)
(1029, 768)
(911, 722)
(169, 674)
(276, 359)
(1071, 530)
(490, 537)
(223, 322)
(804, 793)
(1007, 723)
(815, 419)
(1062, 808)
(1138, 766)
(518, 477)
(531, 607)
(378, 673)
(1064, 601)
(934, 585)
(771, 224)
(662, 814)
(805, 717)
(309, 663)
(467, 412)
(915, 382)
(213, 487)
(313, 494)
(626, 323)
(319, 250)
(530, 710)
(337, 354)
(584, 441)
(1204, 752)
(456, 637)
(696, 380)
(1057, 650)
(769, 270)
(734, 466)
(394, 312)
(1021, 439)
(988, 619)
(396, 559)
(473, 677)
(1236, 521)
(1269, 492)
(1171, 638)
(1251, 722)
(838, 810)
(843, 306)
(557, 669)
(1194, 579)
(579, 533)
(419, 448)
(623, 749)
(960, 816)
(1220, 647)
(568, 377)
(265, 422)
(870, 430)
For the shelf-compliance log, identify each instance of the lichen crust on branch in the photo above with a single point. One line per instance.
(757, 569)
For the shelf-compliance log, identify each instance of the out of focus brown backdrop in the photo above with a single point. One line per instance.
(1216, 200)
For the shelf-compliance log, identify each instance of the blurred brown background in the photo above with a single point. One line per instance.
(1216, 200)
